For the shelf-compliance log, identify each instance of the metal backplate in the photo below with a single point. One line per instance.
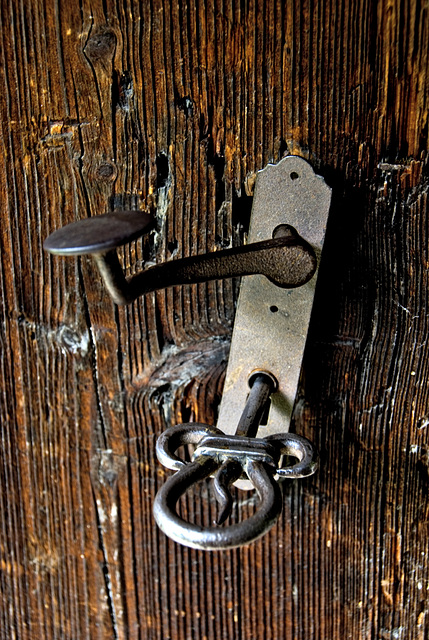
(271, 323)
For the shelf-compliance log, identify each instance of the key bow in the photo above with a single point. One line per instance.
(226, 458)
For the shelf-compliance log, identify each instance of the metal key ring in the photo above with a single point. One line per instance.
(174, 437)
(216, 538)
(298, 447)
(228, 458)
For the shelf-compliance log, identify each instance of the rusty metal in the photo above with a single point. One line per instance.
(228, 458)
(285, 260)
(270, 327)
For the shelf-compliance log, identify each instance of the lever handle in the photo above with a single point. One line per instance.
(286, 260)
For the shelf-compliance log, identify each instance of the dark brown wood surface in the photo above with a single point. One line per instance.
(172, 107)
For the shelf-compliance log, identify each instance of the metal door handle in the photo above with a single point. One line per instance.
(285, 259)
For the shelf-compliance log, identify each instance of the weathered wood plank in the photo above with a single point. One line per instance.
(172, 107)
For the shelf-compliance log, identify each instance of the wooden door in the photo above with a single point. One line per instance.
(171, 107)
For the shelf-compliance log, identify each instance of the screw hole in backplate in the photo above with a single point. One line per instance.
(294, 175)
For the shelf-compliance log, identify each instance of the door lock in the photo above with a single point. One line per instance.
(252, 447)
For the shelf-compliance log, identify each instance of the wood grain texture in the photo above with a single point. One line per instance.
(172, 107)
